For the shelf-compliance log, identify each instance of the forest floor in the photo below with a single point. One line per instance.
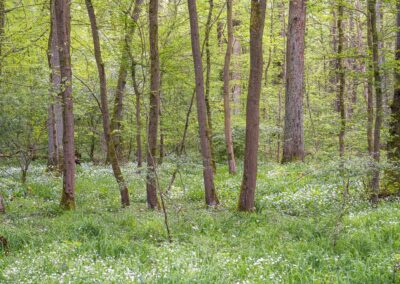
(303, 230)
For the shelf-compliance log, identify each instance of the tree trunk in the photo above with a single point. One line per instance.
(370, 93)
(375, 183)
(236, 75)
(392, 175)
(208, 172)
(138, 119)
(227, 108)
(2, 24)
(2, 207)
(55, 121)
(208, 82)
(293, 146)
(154, 107)
(341, 79)
(104, 106)
(122, 73)
(62, 12)
(248, 187)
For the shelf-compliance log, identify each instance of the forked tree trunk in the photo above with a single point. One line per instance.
(293, 144)
(341, 79)
(104, 107)
(248, 187)
(62, 12)
(208, 172)
(227, 107)
(154, 107)
(122, 74)
(392, 175)
(375, 183)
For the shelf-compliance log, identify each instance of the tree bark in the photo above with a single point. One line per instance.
(227, 108)
(236, 75)
(104, 107)
(2, 207)
(62, 12)
(151, 185)
(121, 83)
(341, 79)
(293, 146)
(375, 183)
(247, 191)
(392, 175)
(2, 24)
(370, 92)
(139, 154)
(208, 172)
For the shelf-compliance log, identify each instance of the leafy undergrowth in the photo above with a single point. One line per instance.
(301, 232)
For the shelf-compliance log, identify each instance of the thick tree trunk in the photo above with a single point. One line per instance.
(208, 172)
(208, 81)
(375, 183)
(151, 185)
(293, 146)
(139, 154)
(248, 187)
(55, 121)
(122, 74)
(341, 79)
(227, 108)
(392, 175)
(62, 12)
(104, 106)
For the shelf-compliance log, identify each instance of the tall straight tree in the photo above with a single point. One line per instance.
(248, 188)
(392, 175)
(2, 23)
(208, 173)
(375, 183)
(55, 122)
(151, 185)
(293, 145)
(62, 12)
(227, 107)
(104, 107)
(341, 81)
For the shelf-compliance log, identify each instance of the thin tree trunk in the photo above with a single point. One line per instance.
(208, 172)
(248, 187)
(375, 183)
(2, 207)
(293, 145)
(138, 115)
(104, 106)
(227, 108)
(2, 24)
(151, 185)
(236, 75)
(370, 93)
(122, 74)
(208, 81)
(341, 79)
(392, 175)
(62, 12)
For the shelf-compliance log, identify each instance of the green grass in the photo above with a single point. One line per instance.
(296, 235)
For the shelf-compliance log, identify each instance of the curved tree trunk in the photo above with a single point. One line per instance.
(62, 12)
(208, 172)
(293, 145)
(104, 107)
(138, 119)
(151, 185)
(248, 188)
(227, 108)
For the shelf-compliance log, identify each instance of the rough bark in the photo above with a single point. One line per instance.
(392, 175)
(62, 12)
(375, 183)
(293, 145)
(121, 82)
(104, 107)
(227, 107)
(208, 172)
(154, 107)
(248, 187)
(341, 79)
